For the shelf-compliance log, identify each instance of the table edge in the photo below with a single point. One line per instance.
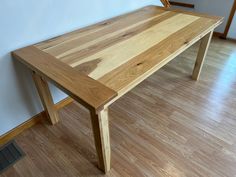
(35, 59)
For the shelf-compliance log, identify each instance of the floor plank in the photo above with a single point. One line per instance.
(167, 126)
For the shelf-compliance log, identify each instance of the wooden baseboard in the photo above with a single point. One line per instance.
(31, 122)
(63, 103)
(221, 36)
(182, 4)
(217, 34)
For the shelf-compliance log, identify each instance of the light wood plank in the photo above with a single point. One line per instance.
(46, 98)
(100, 124)
(104, 41)
(114, 56)
(81, 42)
(205, 42)
(124, 40)
(128, 75)
(105, 26)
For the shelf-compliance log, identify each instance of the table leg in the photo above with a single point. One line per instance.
(205, 42)
(100, 124)
(46, 98)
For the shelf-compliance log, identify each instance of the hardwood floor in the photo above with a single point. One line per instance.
(167, 126)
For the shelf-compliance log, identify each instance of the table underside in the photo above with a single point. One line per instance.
(120, 51)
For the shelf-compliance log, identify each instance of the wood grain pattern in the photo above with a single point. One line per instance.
(166, 3)
(108, 25)
(114, 53)
(115, 48)
(100, 125)
(63, 103)
(118, 37)
(91, 93)
(167, 126)
(46, 98)
(205, 43)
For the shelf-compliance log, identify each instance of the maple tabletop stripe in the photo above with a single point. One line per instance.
(126, 20)
(115, 51)
(147, 62)
(107, 40)
(122, 52)
(96, 37)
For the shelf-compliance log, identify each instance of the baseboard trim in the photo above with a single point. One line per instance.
(217, 34)
(63, 103)
(221, 36)
(31, 122)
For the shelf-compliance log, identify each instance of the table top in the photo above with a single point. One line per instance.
(122, 51)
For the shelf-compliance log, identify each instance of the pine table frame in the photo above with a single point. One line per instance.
(98, 64)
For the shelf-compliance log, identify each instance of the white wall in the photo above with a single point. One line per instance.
(232, 29)
(213, 7)
(25, 22)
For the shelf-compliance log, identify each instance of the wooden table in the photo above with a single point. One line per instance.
(98, 64)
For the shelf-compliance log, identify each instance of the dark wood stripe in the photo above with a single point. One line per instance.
(64, 37)
(230, 19)
(71, 58)
(128, 72)
(126, 22)
(174, 3)
(111, 25)
(166, 3)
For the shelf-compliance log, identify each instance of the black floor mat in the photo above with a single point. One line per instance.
(10, 153)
